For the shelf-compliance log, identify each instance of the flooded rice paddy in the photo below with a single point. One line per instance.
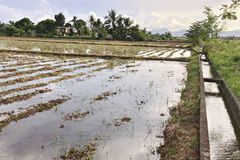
(165, 53)
(109, 109)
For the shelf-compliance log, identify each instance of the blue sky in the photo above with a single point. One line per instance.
(152, 14)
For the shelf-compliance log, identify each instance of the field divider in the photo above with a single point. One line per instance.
(171, 44)
(204, 136)
(181, 59)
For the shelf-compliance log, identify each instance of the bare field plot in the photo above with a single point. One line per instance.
(172, 43)
(52, 106)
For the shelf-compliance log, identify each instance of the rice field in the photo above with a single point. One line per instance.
(138, 49)
(54, 107)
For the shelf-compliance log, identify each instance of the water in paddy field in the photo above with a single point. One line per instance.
(127, 107)
(165, 53)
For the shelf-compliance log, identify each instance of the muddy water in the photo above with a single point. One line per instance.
(144, 93)
(223, 141)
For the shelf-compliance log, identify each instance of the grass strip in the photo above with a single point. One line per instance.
(225, 57)
(87, 152)
(182, 132)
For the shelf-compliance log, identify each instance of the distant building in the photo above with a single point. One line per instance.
(64, 31)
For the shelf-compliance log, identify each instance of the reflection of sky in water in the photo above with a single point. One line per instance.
(211, 87)
(144, 93)
(206, 69)
(223, 142)
(165, 52)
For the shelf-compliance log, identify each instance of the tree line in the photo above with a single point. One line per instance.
(114, 26)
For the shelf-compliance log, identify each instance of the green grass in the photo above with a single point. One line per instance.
(225, 56)
(182, 132)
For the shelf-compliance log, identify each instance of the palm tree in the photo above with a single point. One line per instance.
(98, 27)
(97, 24)
(127, 22)
(119, 21)
(120, 30)
(92, 21)
(110, 21)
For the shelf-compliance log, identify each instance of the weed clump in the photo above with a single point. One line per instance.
(85, 153)
(76, 115)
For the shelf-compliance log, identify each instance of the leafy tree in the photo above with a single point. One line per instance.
(211, 27)
(13, 31)
(114, 27)
(80, 25)
(2, 28)
(211, 24)
(12, 23)
(60, 20)
(68, 25)
(196, 34)
(229, 11)
(46, 27)
(25, 24)
(136, 33)
(99, 29)
(74, 19)
(201, 31)
(166, 36)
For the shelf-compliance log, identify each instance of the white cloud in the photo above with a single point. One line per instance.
(152, 14)
(8, 13)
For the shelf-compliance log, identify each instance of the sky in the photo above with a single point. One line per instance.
(151, 14)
